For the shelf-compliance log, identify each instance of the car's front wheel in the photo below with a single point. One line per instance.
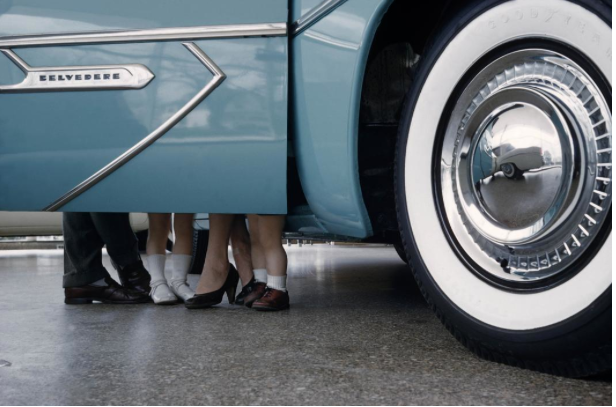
(517, 268)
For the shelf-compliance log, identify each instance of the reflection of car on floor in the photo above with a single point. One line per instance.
(367, 115)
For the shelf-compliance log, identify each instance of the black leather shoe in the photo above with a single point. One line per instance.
(250, 293)
(208, 300)
(112, 293)
(135, 277)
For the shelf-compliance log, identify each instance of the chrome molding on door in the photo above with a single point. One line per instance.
(157, 34)
(59, 78)
(219, 77)
(314, 15)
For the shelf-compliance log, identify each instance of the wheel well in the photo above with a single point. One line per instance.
(398, 44)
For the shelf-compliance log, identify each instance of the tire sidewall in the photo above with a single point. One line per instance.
(586, 330)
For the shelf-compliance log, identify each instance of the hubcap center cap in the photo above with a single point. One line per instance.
(516, 166)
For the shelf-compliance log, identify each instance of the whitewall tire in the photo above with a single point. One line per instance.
(503, 181)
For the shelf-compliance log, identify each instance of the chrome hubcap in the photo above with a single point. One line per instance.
(526, 165)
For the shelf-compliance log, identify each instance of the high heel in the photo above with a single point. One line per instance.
(210, 299)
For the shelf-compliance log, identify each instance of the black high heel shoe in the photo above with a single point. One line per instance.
(210, 299)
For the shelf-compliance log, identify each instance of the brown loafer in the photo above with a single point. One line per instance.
(250, 293)
(272, 300)
(112, 293)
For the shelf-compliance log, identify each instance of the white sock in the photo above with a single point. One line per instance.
(180, 265)
(260, 275)
(277, 282)
(156, 266)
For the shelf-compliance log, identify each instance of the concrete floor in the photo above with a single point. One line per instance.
(358, 332)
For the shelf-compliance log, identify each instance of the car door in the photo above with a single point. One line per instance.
(143, 105)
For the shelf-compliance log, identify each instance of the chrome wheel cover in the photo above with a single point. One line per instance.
(525, 166)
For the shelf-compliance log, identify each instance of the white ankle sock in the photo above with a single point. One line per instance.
(260, 275)
(180, 264)
(156, 266)
(277, 282)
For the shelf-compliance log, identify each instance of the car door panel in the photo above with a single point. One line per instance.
(227, 155)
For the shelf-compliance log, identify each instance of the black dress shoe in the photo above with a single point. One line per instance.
(112, 293)
(208, 300)
(135, 277)
(250, 293)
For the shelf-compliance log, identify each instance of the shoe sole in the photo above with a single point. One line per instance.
(200, 306)
(269, 309)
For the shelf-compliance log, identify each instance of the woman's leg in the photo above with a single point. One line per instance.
(217, 258)
(181, 257)
(160, 224)
(240, 243)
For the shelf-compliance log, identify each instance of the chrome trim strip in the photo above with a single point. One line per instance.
(157, 34)
(219, 77)
(314, 15)
(71, 78)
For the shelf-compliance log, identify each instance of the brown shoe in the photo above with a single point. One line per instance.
(135, 277)
(112, 293)
(272, 300)
(250, 293)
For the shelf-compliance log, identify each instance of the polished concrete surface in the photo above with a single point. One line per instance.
(358, 332)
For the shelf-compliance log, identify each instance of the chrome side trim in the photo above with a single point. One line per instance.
(219, 77)
(157, 34)
(65, 78)
(314, 15)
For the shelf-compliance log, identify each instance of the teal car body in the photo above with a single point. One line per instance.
(290, 96)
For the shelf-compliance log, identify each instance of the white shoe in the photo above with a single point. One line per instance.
(181, 288)
(161, 293)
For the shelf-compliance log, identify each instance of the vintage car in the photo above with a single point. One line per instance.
(360, 120)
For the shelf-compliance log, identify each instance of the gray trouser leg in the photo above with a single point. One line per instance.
(115, 230)
(83, 263)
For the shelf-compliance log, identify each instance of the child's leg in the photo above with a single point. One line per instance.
(270, 237)
(160, 224)
(275, 297)
(256, 250)
(182, 255)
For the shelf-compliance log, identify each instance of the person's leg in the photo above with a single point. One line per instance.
(158, 233)
(254, 288)
(258, 258)
(182, 255)
(156, 249)
(240, 243)
(115, 230)
(83, 263)
(85, 279)
(270, 236)
(217, 258)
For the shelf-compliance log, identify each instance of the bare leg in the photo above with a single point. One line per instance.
(240, 242)
(160, 225)
(181, 258)
(270, 237)
(183, 227)
(258, 259)
(217, 258)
